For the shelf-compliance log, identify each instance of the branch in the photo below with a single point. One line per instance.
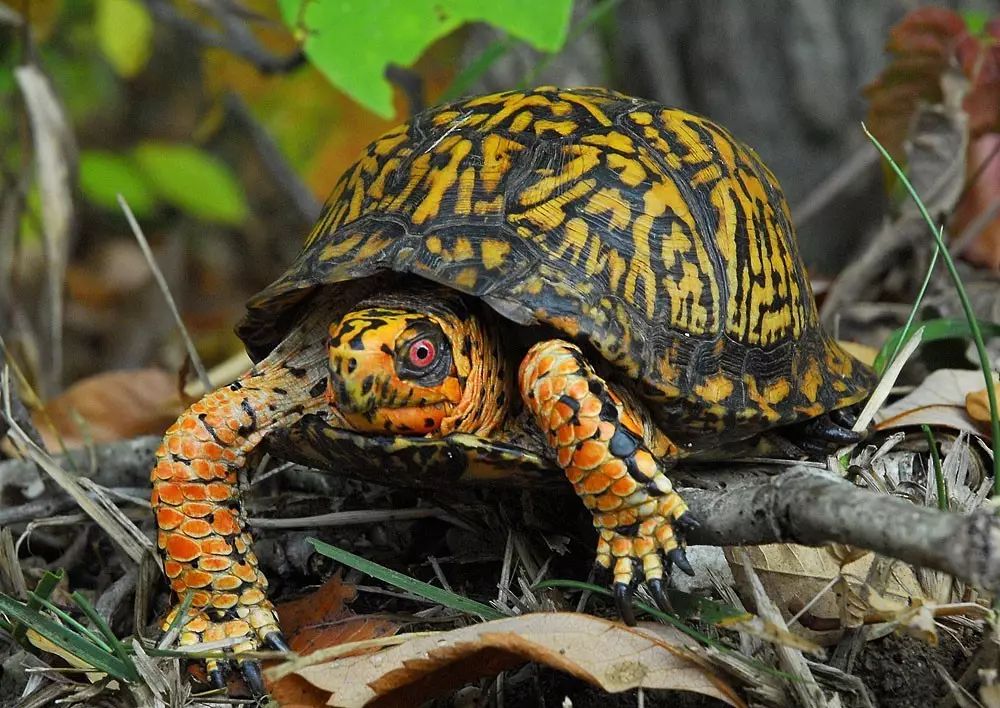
(757, 505)
(802, 506)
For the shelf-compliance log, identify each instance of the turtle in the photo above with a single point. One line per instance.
(527, 287)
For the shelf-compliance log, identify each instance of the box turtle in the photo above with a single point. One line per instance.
(517, 287)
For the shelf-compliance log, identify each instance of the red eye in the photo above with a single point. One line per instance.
(422, 353)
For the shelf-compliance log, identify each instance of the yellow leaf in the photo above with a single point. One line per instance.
(125, 33)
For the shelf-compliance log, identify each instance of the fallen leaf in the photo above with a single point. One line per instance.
(977, 404)
(939, 401)
(604, 653)
(110, 406)
(317, 621)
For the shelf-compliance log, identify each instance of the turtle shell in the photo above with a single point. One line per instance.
(645, 232)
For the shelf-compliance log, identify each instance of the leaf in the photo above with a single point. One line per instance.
(977, 404)
(353, 41)
(939, 401)
(125, 34)
(110, 406)
(934, 331)
(319, 620)
(606, 654)
(192, 180)
(103, 175)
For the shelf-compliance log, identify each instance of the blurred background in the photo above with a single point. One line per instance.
(225, 137)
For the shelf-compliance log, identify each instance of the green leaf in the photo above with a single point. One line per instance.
(405, 582)
(192, 180)
(125, 34)
(103, 175)
(934, 330)
(352, 41)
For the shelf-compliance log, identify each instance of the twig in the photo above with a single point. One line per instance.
(270, 154)
(162, 283)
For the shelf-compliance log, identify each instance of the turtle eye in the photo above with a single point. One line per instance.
(422, 353)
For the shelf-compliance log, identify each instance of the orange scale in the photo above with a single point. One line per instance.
(590, 454)
(212, 451)
(605, 430)
(189, 424)
(623, 486)
(174, 445)
(558, 384)
(574, 474)
(595, 483)
(172, 569)
(181, 548)
(607, 502)
(189, 448)
(590, 407)
(226, 582)
(665, 537)
(252, 596)
(201, 468)
(585, 428)
(196, 528)
(245, 572)
(163, 470)
(225, 600)
(621, 547)
(568, 365)
(544, 365)
(224, 523)
(169, 494)
(168, 518)
(216, 547)
(589, 502)
(241, 545)
(196, 578)
(578, 389)
(229, 455)
(198, 407)
(625, 517)
(564, 456)
(229, 437)
(219, 491)
(543, 391)
(194, 492)
(643, 546)
(566, 435)
(197, 509)
(614, 468)
(214, 564)
(178, 586)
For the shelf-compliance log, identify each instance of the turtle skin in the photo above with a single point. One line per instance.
(604, 285)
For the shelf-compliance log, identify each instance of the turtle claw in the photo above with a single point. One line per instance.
(217, 679)
(623, 602)
(253, 677)
(678, 557)
(685, 523)
(276, 641)
(657, 588)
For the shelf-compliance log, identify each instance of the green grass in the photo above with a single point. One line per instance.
(963, 296)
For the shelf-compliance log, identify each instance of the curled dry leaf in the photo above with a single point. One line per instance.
(939, 401)
(606, 654)
(317, 621)
(977, 404)
(111, 406)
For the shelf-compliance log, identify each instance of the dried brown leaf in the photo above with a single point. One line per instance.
(603, 653)
(940, 400)
(110, 406)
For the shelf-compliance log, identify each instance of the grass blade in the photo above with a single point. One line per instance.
(934, 330)
(411, 585)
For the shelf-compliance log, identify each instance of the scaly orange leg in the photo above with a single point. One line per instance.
(201, 523)
(616, 464)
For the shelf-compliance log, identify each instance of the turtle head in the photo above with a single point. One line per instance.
(401, 370)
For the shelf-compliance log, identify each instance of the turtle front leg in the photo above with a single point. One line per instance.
(616, 463)
(202, 536)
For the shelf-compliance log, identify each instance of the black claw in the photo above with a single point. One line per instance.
(679, 558)
(623, 601)
(659, 592)
(685, 523)
(276, 641)
(217, 680)
(253, 677)
(844, 417)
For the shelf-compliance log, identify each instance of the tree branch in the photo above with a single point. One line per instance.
(748, 506)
